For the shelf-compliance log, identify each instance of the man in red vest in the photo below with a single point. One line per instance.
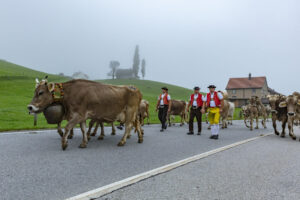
(214, 102)
(163, 105)
(195, 106)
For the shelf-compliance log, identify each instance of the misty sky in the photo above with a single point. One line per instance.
(184, 42)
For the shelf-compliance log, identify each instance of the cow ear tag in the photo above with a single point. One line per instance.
(282, 105)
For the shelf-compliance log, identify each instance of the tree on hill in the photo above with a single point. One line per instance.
(136, 62)
(143, 70)
(113, 65)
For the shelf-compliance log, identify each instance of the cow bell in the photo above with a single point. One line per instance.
(54, 113)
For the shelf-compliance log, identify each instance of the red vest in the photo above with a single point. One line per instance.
(216, 99)
(199, 100)
(165, 99)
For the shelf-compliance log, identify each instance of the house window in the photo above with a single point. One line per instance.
(253, 91)
(233, 91)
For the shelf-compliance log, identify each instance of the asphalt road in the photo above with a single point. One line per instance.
(33, 166)
(265, 169)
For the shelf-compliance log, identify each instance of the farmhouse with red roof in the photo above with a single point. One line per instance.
(240, 90)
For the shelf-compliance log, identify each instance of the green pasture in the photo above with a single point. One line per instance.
(17, 85)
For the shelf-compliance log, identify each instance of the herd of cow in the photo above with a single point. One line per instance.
(79, 100)
(285, 109)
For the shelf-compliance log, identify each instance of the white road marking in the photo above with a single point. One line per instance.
(96, 193)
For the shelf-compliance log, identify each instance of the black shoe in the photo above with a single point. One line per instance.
(162, 130)
(212, 137)
(216, 137)
(190, 133)
(199, 133)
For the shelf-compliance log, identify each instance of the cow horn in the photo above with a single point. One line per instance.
(37, 82)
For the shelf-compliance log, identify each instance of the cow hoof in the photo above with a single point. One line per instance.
(256, 127)
(93, 134)
(283, 136)
(276, 133)
(70, 136)
(100, 137)
(113, 133)
(251, 129)
(128, 136)
(140, 140)
(89, 138)
(120, 144)
(82, 145)
(64, 146)
(148, 123)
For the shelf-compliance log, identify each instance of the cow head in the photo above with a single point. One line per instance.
(273, 101)
(252, 101)
(245, 110)
(42, 96)
(291, 103)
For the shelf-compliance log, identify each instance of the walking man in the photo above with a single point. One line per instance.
(163, 107)
(214, 102)
(195, 105)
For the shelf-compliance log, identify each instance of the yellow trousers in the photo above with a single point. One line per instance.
(214, 115)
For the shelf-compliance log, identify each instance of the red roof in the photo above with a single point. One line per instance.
(244, 83)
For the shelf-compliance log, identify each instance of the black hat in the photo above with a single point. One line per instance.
(196, 88)
(211, 86)
(164, 88)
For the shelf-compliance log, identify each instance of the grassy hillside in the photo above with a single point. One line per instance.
(16, 91)
(17, 86)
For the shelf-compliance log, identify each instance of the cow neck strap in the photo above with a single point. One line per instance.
(58, 92)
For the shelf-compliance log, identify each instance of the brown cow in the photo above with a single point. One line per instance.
(292, 104)
(278, 113)
(224, 114)
(246, 110)
(85, 99)
(144, 112)
(178, 107)
(253, 113)
(262, 111)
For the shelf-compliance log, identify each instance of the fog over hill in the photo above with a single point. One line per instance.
(187, 43)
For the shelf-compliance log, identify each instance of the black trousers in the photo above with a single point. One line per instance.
(195, 113)
(162, 115)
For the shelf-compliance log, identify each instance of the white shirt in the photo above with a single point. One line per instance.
(162, 99)
(195, 99)
(212, 102)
